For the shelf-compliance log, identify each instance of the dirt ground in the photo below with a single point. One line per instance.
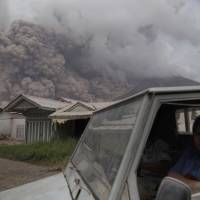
(14, 173)
(9, 141)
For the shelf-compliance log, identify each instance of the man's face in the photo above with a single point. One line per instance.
(197, 142)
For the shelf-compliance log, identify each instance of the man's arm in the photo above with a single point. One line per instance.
(194, 185)
(157, 167)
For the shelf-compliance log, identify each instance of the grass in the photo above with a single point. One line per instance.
(55, 153)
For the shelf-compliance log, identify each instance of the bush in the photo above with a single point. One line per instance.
(49, 153)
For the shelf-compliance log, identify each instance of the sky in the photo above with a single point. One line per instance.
(148, 37)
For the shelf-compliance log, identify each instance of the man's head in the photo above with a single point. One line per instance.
(196, 132)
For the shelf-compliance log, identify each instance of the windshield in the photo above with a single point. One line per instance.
(99, 155)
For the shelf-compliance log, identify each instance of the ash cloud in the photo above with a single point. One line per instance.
(95, 44)
(148, 37)
(37, 61)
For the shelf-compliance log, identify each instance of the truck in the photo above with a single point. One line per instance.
(107, 163)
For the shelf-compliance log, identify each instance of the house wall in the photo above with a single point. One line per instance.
(18, 129)
(39, 127)
(39, 130)
(5, 124)
(12, 125)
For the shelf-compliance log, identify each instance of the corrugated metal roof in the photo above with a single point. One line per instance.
(68, 113)
(60, 106)
(46, 103)
(64, 111)
(92, 105)
(40, 102)
(62, 117)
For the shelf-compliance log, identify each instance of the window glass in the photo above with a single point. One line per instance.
(185, 119)
(99, 155)
(169, 136)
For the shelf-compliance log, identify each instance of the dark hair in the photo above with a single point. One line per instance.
(196, 126)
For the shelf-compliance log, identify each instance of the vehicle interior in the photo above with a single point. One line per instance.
(170, 134)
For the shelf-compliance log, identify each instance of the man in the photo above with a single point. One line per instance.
(187, 169)
(156, 158)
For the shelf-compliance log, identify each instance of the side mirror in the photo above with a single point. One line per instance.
(171, 188)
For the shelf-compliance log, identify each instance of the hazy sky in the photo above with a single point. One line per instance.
(150, 37)
(3, 14)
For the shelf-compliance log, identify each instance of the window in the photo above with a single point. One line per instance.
(170, 134)
(185, 119)
(99, 156)
(20, 132)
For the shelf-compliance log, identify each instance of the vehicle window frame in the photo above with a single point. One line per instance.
(158, 101)
(128, 101)
(124, 173)
(188, 119)
(126, 189)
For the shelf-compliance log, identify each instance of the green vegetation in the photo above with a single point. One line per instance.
(55, 153)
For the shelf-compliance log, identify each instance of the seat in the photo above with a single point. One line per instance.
(171, 188)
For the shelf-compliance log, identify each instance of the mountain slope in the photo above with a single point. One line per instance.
(142, 84)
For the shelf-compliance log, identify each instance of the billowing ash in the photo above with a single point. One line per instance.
(40, 62)
(151, 38)
(95, 49)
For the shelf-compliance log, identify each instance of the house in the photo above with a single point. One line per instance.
(36, 111)
(72, 119)
(48, 118)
